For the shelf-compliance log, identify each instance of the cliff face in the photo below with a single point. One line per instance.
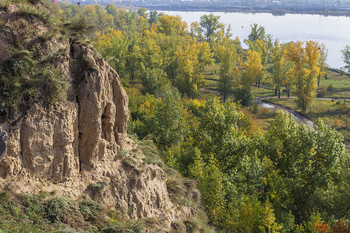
(80, 134)
(79, 146)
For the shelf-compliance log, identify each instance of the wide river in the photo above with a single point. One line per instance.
(333, 31)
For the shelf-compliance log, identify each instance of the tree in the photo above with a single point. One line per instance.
(306, 159)
(304, 71)
(263, 48)
(211, 186)
(279, 63)
(346, 59)
(153, 17)
(322, 62)
(152, 75)
(195, 31)
(142, 12)
(226, 53)
(257, 33)
(251, 72)
(192, 56)
(170, 25)
(209, 25)
(113, 46)
(269, 220)
(168, 127)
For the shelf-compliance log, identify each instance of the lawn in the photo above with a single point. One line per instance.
(337, 85)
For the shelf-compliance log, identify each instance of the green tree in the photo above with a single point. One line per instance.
(153, 17)
(209, 25)
(306, 159)
(168, 126)
(279, 64)
(322, 62)
(346, 58)
(211, 186)
(257, 33)
(226, 53)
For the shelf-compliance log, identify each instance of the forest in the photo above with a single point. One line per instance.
(280, 176)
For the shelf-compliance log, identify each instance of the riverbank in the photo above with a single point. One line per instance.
(274, 10)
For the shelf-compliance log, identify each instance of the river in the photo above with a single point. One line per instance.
(333, 31)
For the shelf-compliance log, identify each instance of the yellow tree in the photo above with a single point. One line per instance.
(113, 46)
(269, 220)
(191, 57)
(172, 24)
(252, 69)
(304, 71)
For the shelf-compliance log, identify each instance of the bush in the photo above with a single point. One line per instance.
(52, 85)
(322, 92)
(63, 209)
(81, 25)
(90, 210)
(330, 88)
(33, 208)
(245, 97)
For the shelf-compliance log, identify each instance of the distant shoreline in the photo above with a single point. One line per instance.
(280, 11)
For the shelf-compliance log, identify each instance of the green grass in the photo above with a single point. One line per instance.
(340, 85)
(211, 76)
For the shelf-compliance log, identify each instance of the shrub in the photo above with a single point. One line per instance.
(63, 209)
(52, 85)
(33, 208)
(90, 210)
(322, 92)
(347, 123)
(336, 122)
(330, 88)
(81, 24)
(245, 97)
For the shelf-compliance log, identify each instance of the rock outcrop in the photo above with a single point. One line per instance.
(79, 146)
